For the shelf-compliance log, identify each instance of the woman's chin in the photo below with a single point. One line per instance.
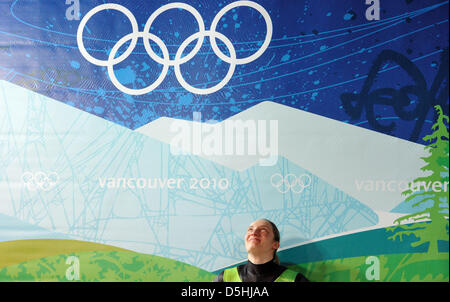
(252, 246)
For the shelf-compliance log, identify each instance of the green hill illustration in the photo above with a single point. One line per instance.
(54, 260)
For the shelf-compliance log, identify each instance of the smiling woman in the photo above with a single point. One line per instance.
(262, 241)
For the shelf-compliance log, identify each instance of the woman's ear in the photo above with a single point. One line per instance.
(276, 245)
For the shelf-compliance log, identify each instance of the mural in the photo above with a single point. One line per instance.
(139, 139)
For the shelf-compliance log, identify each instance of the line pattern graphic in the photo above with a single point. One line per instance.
(162, 221)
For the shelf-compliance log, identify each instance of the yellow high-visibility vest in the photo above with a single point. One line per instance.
(232, 275)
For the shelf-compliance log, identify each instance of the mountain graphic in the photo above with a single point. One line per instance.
(346, 156)
(120, 187)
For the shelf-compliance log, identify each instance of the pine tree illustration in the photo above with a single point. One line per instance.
(430, 222)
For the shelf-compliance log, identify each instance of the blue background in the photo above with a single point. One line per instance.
(309, 65)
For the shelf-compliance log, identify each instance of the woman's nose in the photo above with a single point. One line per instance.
(255, 232)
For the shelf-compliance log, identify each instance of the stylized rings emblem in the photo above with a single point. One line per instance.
(39, 180)
(290, 182)
(179, 60)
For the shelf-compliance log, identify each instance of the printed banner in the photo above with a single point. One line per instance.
(139, 139)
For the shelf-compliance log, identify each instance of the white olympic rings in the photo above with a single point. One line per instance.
(290, 182)
(40, 180)
(179, 60)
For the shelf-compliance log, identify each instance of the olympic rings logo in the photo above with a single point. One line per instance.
(178, 61)
(290, 182)
(40, 180)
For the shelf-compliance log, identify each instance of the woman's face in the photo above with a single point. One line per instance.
(260, 238)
